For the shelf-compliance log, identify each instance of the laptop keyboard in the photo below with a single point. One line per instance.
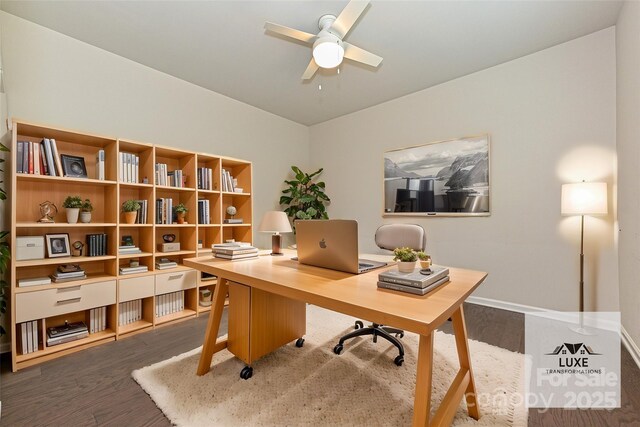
(363, 265)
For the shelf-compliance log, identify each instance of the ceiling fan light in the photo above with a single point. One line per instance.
(328, 54)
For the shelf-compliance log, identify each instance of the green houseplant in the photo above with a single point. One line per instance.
(406, 258)
(85, 211)
(130, 209)
(72, 204)
(305, 198)
(5, 254)
(425, 260)
(181, 211)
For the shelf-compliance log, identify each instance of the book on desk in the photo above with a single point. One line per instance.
(416, 282)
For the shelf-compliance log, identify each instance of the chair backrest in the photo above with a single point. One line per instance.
(391, 236)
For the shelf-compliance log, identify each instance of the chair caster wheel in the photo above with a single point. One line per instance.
(359, 324)
(299, 342)
(246, 372)
(399, 360)
(337, 349)
(400, 335)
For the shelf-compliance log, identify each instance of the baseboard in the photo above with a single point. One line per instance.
(631, 346)
(627, 341)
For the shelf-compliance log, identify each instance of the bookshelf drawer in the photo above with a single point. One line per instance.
(172, 282)
(136, 288)
(53, 302)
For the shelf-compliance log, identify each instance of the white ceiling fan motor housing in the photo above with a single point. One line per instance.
(328, 50)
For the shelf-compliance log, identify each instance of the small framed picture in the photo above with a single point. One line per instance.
(73, 166)
(58, 245)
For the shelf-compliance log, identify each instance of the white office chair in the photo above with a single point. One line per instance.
(389, 237)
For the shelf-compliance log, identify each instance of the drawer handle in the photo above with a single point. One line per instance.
(177, 276)
(68, 301)
(72, 288)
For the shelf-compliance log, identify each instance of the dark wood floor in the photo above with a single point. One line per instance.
(94, 387)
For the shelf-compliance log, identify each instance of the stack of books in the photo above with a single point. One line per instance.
(414, 282)
(128, 249)
(66, 333)
(165, 263)
(29, 337)
(141, 218)
(68, 273)
(233, 221)
(129, 167)
(97, 319)
(38, 158)
(203, 211)
(133, 270)
(96, 244)
(235, 251)
(129, 312)
(205, 179)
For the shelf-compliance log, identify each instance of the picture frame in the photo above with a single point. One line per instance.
(73, 166)
(57, 245)
(442, 178)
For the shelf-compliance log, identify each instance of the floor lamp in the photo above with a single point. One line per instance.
(583, 198)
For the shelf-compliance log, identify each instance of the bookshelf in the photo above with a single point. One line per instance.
(197, 185)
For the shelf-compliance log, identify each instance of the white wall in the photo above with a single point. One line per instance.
(628, 134)
(551, 116)
(54, 79)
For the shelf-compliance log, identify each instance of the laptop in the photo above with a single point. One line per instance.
(333, 244)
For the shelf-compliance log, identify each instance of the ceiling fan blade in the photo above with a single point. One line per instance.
(289, 32)
(310, 71)
(348, 17)
(355, 53)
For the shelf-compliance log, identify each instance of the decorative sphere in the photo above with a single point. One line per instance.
(231, 210)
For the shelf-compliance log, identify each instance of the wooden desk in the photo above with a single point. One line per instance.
(358, 296)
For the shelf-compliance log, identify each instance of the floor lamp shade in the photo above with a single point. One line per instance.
(584, 198)
(275, 222)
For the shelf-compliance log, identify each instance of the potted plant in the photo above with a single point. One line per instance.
(85, 211)
(181, 211)
(130, 209)
(407, 259)
(425, 260)
(305, 198)
(72, 204)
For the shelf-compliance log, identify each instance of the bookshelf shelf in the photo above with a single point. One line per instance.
(138, 255)
(61, 179)
(64, 225)
(122, 161)
(62, 260)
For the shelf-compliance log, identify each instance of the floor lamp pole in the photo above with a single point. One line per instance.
(581, 269)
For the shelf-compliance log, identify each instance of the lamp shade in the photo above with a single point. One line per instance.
(584, 198)
(275, 222)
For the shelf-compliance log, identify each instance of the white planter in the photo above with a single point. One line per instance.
(85, 217)
(406, 267)
(72, 215)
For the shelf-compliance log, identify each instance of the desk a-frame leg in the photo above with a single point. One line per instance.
(422, 400)
(460, 330)
(210, 345)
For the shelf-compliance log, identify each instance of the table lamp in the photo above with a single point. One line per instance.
(583, 198)
(275, 222)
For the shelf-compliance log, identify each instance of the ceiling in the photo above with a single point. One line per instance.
(222, 46)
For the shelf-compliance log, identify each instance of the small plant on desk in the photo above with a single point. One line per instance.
(407, 258)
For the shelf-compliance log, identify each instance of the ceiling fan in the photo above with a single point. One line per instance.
(328, 46)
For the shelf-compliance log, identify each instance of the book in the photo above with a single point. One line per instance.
(66, 329)
(233, 221)
(231, 245)
(413, 289)
(20, 147)
(415, 278)
(67, 338)
(100, 159)
(69, 274)
(237, 251)
(129, 251)
(50, 161)
(67, 279)
(56, 157)
(237, 257)
(34, 281)
(132, 270)
(36, 158)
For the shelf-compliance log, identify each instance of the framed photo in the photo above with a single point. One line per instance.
(73, 166)
(57, 245)
(440, 178)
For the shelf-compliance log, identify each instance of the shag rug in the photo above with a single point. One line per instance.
(313, 386)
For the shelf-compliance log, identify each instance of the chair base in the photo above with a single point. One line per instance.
(377, 331)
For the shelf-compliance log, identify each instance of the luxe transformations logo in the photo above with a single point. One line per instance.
(574, 360)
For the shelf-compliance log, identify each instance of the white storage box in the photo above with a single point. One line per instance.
(29, 247)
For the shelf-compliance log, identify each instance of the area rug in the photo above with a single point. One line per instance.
(313, 386)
